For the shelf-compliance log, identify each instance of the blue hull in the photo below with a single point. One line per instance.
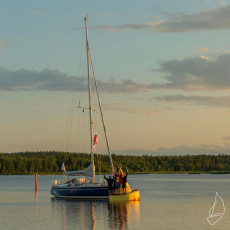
(88, 192)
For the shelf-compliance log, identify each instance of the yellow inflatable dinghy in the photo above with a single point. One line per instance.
(133, 195)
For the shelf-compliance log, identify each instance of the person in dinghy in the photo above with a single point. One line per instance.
(120, 181)
(124, 181)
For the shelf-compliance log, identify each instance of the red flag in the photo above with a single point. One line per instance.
(95, 139)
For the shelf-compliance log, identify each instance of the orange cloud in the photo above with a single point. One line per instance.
(203, 50)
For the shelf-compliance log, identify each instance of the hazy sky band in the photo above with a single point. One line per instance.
(162, 69)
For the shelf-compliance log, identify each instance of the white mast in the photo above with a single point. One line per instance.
(90, 98)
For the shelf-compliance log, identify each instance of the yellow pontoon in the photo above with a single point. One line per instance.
(134, 195)
(129, 195)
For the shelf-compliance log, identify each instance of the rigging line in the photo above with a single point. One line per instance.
(71, 128)
(81, 52)
(84, 134)
(81, 115)
(80, 69)
(75, 129)
(95, 120)
(78, 128)
(82, 63)
(98, 159)
(99, 163)
(102, 118)
(100, 170)
(67, 126)
(73, 98)
(71, 119)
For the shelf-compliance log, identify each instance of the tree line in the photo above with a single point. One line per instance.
(50, 162)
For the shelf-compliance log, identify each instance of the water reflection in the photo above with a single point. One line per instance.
(36, 207)
(121, 213)
(94, 214)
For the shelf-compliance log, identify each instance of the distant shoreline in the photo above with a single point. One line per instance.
(49, 163)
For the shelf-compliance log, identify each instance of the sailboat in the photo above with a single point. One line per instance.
(85, 187)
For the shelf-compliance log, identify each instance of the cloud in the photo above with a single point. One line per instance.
(180, 150)
(193, 73)
(125, 108)
(109, 15)
(204, 57)
(129, 109)
(201, 149)
(203, 50)
(132, 26)
(1, 43)
(124, 86)
(151, 113)
(196, 74)
(222, 113)
(210, 19)
(222, 3)
(51, 80)
(54, 80)
(223, 101)
(139, 99)
(40, 13)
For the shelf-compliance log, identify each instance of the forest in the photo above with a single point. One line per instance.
(50, 163)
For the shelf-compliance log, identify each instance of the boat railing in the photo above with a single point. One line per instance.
(58, 182)
(67, 181)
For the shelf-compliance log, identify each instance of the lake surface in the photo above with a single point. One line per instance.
(168, 201)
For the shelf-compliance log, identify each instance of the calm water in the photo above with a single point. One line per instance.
(167, 202)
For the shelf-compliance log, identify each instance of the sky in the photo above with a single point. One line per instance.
(163, 71)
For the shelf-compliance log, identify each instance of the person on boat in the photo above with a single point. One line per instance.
(117, 183)
(120, 181)
(124, 181)
(115, 180)
(110, 181)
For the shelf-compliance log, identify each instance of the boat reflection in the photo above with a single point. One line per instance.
(94, 214)
(121, 213)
